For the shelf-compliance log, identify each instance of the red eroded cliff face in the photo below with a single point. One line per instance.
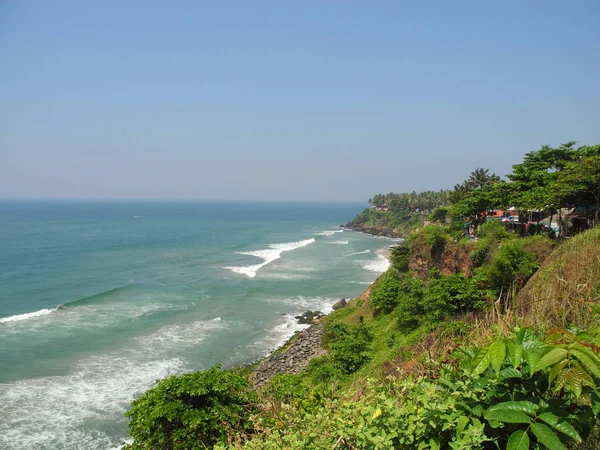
(450, 259)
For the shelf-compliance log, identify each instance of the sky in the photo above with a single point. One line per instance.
(306, 100)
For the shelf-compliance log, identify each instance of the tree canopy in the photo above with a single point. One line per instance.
(545, 180)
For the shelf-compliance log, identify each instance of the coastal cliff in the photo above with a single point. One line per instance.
(402, 336)
(386, 223)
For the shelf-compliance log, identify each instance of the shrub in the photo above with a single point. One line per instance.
(434, 236)
(400, 257)
(439, 214)
(385, 292)
(454, 294)
(493, 229)
(516, 393)
(192, 410)
(348, 345)
(510, 263)
(287, 387)
(409, 310)
(321, 370)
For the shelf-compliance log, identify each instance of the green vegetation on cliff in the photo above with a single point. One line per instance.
(461, 344)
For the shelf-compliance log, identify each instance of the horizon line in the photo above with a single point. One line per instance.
(138, 199)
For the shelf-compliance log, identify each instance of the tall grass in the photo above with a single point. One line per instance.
(556, 294)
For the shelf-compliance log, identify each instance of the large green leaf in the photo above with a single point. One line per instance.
(523, 406)
(497, 353)
(556, 369)
(461, 423)
(588, 359)
(509, 372)
(518, 441)
(523, 335)
(532, 353)
(560, 424)
(546, 436)
(506, 416)
(552, 357)
(573, 378)
(481, 361)
(515, 353)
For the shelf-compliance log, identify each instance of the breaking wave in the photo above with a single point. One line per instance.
(26, 316)
(328, 233)
(268, 256)
(364, 252)
(80, 301)
(379, 265)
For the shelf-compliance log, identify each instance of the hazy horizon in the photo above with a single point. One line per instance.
(286, 102)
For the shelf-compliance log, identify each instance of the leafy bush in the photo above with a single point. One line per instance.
(287, 387)
(491, 233)
(510, 263)
(443, 297)
(192, 410)
(493, 229)
(454, 294)
(439, 214)
(517, 393)
(434, 236)
(409, 310)
(348, 345)
(400, 257)
(321, 370)
(386, 291)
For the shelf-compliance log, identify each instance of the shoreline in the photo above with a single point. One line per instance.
(294, 355)
(373, 230)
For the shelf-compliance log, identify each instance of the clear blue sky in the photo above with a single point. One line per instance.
(324, 100)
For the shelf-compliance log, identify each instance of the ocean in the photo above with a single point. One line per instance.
(99, 299)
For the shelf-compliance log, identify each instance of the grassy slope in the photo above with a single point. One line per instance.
(551, 298)
(572, 273)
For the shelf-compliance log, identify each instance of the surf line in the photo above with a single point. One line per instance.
(268, 256)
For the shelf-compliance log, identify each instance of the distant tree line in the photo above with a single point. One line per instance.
(546, 180)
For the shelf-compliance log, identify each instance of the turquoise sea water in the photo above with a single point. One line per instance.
(99, 299)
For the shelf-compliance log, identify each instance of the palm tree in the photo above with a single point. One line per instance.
(480, 178)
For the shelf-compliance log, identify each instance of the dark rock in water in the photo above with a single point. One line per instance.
(309, 317)
(340, 304)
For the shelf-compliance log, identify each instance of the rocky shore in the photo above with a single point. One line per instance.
(293, 357)
(305, 346)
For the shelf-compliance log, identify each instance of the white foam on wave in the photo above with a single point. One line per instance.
(364, 252)
(359, 282)
(288, 276)
(68, 412)
(268, 256)
(338, 242)
(328, 233)
(286, 325)
(66, 319)
(301, 303)
(379, 265)
(26, 316)
(181, 335)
